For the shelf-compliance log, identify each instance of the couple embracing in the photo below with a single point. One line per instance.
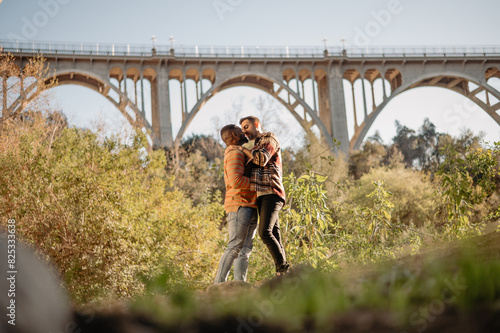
(257, 194)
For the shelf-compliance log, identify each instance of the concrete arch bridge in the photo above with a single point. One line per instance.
(312, 83)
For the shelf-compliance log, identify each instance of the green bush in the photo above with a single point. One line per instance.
(413, 193)
(306, 220)
(196, 167)
(99, 211)
(323, 161)
(468, 179)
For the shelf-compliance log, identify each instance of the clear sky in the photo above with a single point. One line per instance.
(270, 22)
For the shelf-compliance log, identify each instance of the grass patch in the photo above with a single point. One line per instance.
(454, 286)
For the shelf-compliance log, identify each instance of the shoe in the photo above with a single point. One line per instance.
(282, 269)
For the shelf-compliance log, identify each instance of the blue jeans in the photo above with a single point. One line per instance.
(241, 226)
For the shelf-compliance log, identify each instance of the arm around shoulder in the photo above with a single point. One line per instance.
(235, 169)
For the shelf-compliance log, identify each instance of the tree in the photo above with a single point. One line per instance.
(196, 167)
(419, 150)
(20, 86)
(427, 143)
(406, 142)
(372, 155)
(207, 145)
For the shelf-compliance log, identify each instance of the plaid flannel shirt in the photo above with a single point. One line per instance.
(267, 168)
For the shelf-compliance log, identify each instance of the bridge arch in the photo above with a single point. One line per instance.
(192, 73)
(288, 74)
(266, 84)
(456, 81)
(149, 73)
(208, 73)
(96, 83)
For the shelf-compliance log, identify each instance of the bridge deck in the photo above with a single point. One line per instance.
(134, 50)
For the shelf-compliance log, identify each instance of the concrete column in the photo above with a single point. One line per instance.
(125, 82)
(155, 112)
(297, 81)
(142, 94)
(22, 92)
(185, 95)
(324, 103)
(373, 98)
(303, 98)
(198, 96)
(364, 96)
(21, 82)
(288, 94)
(201, 85)
(383, 88)
(120, 87)
(354, 105)
(314, 92)
(135, 93)
(162, 120)
(183, 107)
(337, 109)
(303, 91)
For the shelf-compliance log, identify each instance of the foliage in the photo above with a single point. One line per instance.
(208, 146)
(305, 225)
(306, 219)
(318, 158)
(22, 85)
(99, 210)
(467, 182)
(379, 218)
(418, 150)
(423, 150)
(453, 286)
(371, 156)
(413, 193)
(197, 167)
(367, 233)
(121, 221)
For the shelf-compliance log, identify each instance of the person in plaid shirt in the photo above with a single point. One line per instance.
(266, 180)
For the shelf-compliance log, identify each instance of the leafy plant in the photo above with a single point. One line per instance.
(306, 218)
(467, 181)
(379, 217)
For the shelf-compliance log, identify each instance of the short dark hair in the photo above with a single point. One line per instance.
(227, 129)
(253, 119)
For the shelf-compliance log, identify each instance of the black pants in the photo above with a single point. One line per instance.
(269, 230)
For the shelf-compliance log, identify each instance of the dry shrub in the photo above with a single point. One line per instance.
(99, 210)
(413, 193)
(319, 158)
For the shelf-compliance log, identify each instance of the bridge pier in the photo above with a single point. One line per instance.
(162, 120)
(338, 111)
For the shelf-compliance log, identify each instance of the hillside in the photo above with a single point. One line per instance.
(451, 288)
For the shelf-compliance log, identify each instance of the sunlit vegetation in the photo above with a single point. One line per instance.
(368, 232)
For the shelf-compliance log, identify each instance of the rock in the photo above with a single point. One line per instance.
(33, 292)
(228, 287)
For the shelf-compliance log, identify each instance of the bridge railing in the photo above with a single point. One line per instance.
(99, 49)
